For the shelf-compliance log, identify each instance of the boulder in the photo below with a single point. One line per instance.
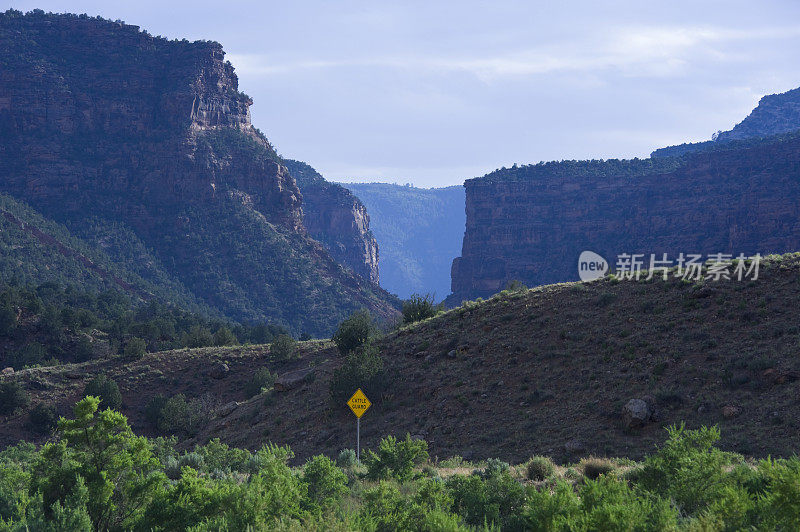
(636, 413)
(8, 371)
(227, 408)
(219, 370)
(293, 379)
(729, 411)
(575, 446)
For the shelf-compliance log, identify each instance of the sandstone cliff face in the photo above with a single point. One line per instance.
(337, 218)
(99, 119)
(531, 223)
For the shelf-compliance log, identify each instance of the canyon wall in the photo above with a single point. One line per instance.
(531, 223)
(102, 121)
(335, 217)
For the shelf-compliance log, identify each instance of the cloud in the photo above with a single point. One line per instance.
(650, 51)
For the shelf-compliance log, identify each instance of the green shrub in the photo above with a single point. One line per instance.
(83, 349)
(361, 369)
(551, 509)
(347, 458)
(198, 337)
(779, 503)
(193, 460)
(594, 467)
(418, 308)
(99, 457)
(687, 468)
(540, 468)
(8, 319)
(106, 390)
(135, 348)
(153, 409)
(172, 468)
(515, 286)
(182, 416)
(12, 397)
(610, 504)
(218, 455)
(326, 482)
(494, 466)
(354, 332)
(42, 418)
(284, 347)
(395, 458)
(224, 336)
(261, 380)
(498, 500)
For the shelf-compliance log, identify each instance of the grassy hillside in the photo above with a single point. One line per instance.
(541, 371)
(419, 232)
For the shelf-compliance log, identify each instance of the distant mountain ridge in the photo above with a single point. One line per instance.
(419, 232)
(776, 114)
(103, 125)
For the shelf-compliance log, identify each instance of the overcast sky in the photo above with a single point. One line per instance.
(433, 93)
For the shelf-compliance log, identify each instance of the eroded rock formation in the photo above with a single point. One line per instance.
(101, 120)
(336, 217)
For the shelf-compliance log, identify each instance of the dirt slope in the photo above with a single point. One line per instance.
(545, 371)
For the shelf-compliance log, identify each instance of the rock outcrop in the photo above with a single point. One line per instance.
(531, 223)
(101, 120)
(337, 218)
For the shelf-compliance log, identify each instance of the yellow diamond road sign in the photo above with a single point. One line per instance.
(359, 403)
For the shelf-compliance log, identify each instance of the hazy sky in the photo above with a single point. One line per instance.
(435, 92)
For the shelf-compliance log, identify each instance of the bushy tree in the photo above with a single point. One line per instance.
(8, 319)
(106, 390)
(363, 369)
(179, 415)
(284, 347)
(688, 468)
(135, 348)
(43, 418)
(498, 499)
(12, 396)
(198, 336)
(262, 379)
(326, 482)
(224, 336)
(120, 473)
(354, 332)
(418, 308)
(396, 458)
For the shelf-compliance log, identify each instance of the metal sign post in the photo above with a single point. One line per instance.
(359, 404)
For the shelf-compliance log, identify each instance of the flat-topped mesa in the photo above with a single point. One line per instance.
(109, 106)
(531, 223)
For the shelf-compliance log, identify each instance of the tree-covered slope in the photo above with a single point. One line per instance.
(419, 232)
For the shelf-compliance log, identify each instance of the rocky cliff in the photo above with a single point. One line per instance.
(530, 223)
(101, 120)
(337, 218)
